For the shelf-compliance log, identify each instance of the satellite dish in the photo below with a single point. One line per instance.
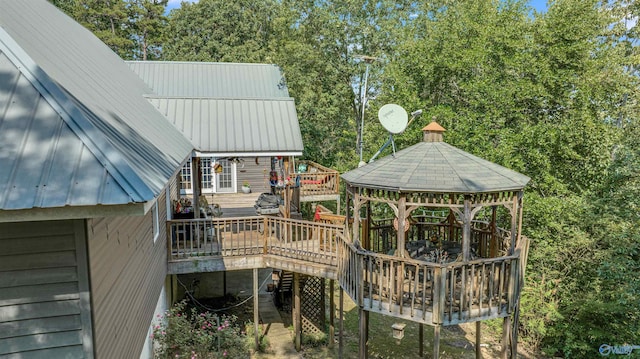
(393, 118)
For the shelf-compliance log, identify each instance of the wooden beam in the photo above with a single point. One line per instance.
(332, 313)
(255, 309)
(466, 229)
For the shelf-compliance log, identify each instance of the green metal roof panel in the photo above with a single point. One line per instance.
(436, 167)
(235, 126)
(212, 79)
(117, 147)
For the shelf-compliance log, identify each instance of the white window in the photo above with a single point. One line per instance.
(156, 222)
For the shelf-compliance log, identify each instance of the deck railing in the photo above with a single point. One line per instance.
(317, 180)
(418, 290)
(242, 236)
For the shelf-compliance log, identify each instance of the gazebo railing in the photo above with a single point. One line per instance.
(485, 243)
(428, 292)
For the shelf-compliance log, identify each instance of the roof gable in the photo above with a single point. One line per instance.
(126, 150)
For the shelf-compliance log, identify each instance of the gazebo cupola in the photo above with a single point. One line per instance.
(434, 175)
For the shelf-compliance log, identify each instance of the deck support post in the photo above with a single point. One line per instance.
(506, 331)
(296, 310)
(363, 318)
(332, 313)
(478, 339)
(224, 283)
(340, 335)
(421, 340)
(436, 341)
(255, 309)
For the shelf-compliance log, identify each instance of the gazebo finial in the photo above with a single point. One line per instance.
(433, 132)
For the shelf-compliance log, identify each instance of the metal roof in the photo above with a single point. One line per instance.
(212, 79)
(435, 167)
(75, 128)
(225, 107)
(235, 126)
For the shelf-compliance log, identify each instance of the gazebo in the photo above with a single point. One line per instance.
(450, 250)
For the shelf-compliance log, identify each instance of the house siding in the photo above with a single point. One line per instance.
(128, 270)
(44, 297)
(256, 174)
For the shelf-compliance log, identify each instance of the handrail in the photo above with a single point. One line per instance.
(317, 180)
(428, 292)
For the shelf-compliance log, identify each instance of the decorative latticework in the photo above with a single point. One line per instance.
(312, 305)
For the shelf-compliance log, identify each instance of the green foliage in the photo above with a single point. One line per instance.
(552, 95)
(184, 333)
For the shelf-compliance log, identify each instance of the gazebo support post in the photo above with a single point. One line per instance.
(478, 339)
(436, 341)
(514, 224)
(421, 340)
(514, 331)
(506, 331)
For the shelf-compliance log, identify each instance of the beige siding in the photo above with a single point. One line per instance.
(127, 274)
(256, 174)
(44, 301)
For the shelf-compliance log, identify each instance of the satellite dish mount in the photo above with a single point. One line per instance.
(394, 119)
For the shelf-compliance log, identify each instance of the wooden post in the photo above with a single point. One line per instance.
(514, 331)
(364, 332)
(421, 340)
(402, 204)
(340, 335)
(356, 217)
(478, 339)
(332, 313)
(296, 310)
(466, 229)
(174, 288)
(196, 180)
(255, 309)
(436, 341)
(506, 329)
(224, 283)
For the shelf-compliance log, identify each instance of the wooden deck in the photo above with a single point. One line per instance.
(417, 290)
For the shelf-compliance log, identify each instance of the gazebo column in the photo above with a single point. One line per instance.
(402, 215)
(466, 229)
(357, 205)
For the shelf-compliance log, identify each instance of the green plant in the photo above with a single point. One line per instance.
(246, 184)
(183, 333)
(263, 341)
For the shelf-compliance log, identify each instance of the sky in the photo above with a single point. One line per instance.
(539, 5)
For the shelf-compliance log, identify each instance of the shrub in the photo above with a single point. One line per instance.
(183, 333)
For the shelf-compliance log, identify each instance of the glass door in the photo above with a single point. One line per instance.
(206, 168)
(225, 180)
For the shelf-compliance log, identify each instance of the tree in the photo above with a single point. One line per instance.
(147, 27)
(219, 31)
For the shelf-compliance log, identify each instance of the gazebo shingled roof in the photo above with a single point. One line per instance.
(435, 167)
